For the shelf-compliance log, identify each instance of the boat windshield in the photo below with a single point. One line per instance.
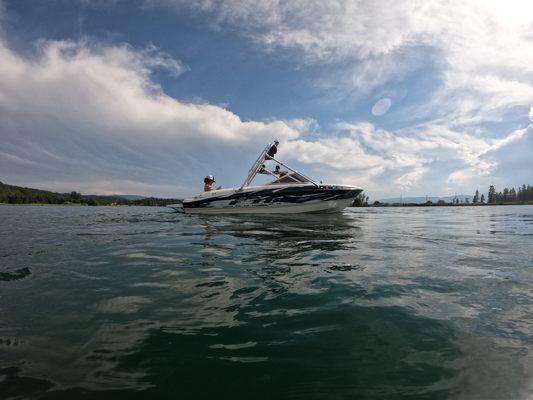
(294, 178)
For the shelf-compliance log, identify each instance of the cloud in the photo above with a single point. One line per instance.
(513, 159)
(480, 54)
(153, 58)
(90, 117)
(408, 180)
(389, 162)
(322, 30)
(82, 115)
(481, 51)
(78, 115)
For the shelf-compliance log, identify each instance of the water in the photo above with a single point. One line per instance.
(119, 302)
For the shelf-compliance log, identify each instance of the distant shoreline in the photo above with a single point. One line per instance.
(77, 205)
(10, 194)
(449, 205)
(18, 195)
(367, 206)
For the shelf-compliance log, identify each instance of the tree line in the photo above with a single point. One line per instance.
(11, 194)
(524, 194)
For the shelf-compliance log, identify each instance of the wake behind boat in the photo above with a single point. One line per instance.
(290, 192)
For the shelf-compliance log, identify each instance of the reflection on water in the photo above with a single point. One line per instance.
(372, 303)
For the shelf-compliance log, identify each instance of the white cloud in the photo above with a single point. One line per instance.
(408, 180)
(389, 162)
(90, 117)
(88, 113)
(482, 50)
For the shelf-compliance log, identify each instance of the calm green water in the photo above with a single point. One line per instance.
(416, 303)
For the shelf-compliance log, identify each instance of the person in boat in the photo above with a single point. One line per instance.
(208, 183)
(280, 172)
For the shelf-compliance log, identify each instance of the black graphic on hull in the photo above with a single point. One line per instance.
(271, 197)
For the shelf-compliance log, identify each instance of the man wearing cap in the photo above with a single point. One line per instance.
(208, 183)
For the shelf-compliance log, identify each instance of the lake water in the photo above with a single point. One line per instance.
(139, 302)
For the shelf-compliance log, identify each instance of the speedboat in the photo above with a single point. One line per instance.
(289, 192)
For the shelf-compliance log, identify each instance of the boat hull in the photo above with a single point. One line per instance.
(321, 206)
(273, 200)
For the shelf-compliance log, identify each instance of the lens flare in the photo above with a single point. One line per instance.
(381, 106)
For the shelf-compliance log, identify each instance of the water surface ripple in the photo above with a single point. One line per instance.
(138, 302)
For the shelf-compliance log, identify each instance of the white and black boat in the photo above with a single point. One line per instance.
(290, 192)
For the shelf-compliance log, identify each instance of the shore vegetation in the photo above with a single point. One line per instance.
(10, 194)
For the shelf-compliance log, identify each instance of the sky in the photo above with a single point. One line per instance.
(147, 97)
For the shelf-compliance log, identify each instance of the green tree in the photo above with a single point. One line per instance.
(512, 194)
(360, 201)
(505, 195)
(492, 195)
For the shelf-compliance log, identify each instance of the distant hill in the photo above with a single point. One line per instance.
(423, 199)
(22, 195)
(131, 196)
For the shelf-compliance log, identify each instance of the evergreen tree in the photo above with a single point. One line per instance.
(482, 198)
(512, 194)
(475, 200)
(492, 195)
(505, 197)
